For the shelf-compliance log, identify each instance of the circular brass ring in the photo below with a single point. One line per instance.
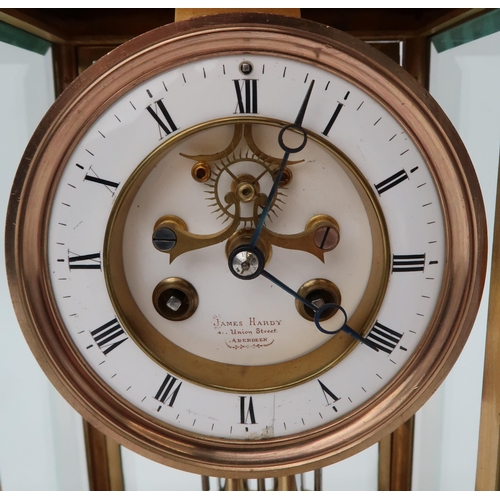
(181, 293)
(318, 289)
(225, 376)
(201, 171)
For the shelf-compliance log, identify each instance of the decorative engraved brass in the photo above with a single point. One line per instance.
(186, 241)
(240, 129)
(271, 160)
(208, 158)
(305, 241)
(245, 188)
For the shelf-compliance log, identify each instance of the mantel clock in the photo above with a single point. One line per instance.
(246, 245)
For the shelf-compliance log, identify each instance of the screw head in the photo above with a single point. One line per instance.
(326, 238)
(164, 239)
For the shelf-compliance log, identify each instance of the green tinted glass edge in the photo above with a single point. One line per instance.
(482, 26)
(19, 38)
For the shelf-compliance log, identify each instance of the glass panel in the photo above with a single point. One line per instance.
(468, 32)
(41, 436)
(23, 40)
(391, 48)
(464, 80)
(357, 473)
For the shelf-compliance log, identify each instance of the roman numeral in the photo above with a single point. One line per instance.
(246, 94)
(88, 261)
(98, 180)
(109, 336)
(408, 263)
(329, 396)
(385, 338)
(391, 181)
(166, 123)
(168, 391)
(247, 414)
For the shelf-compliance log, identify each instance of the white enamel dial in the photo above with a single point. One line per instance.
(246, 323)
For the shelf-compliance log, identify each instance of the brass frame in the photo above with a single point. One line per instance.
(104, 463)
(488, 460)
(322, 46)
(396, 459)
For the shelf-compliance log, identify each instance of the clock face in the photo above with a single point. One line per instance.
(243, 323)
(167, 179)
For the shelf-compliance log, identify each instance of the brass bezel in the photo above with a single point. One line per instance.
(318, 45)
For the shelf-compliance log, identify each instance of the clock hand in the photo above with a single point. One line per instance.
(271, 160)
(296, 125)
(247, 261)
(318, 311)
(247, 264)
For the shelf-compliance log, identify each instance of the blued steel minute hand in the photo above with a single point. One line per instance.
(318, 311)
(296, 126)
